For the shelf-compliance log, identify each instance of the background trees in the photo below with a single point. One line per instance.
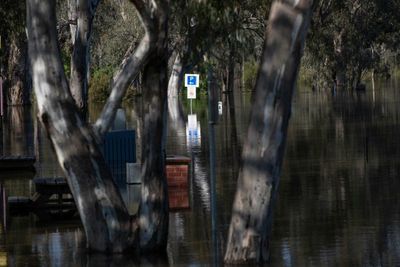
(348, 38)
(221, 34)
(14, 53)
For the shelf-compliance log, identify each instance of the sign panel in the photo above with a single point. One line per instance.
(191, 92)
(220, 107)
(192, 80)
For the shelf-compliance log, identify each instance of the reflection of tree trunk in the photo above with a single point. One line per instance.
(340, 68)
(18, 139)
(231, 70)
(18, 83)
(175, 82)
(236, 151)
(36, 137)
(17, 131)
(373, 85)
(249, 232)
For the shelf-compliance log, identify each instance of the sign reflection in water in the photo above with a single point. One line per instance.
(334, 208)
(193, 131)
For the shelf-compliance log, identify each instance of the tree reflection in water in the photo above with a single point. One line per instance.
(338, 201)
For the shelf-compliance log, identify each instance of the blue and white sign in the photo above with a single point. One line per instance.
(192, 80)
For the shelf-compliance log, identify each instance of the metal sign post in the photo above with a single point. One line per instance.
(1, 97)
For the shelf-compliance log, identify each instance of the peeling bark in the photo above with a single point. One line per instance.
(249, 232)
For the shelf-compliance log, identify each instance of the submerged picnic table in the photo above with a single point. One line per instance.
(55, 194)
(51, 193)
(17, 162)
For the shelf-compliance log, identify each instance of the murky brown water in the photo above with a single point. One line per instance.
(338, 204)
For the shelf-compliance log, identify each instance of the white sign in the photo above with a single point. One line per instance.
(192, 80)
(220, 107)
(191, 92)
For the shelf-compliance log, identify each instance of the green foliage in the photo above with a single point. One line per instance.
(12, 17)
(66, 59)
(115, 27)
(225, 31)
(348, 38)
(131, 93)
(12, 25)
(100, 84)
(250, 75)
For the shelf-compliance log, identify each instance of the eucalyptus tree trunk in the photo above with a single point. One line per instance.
(231, 69)
(18, 82)
(104, 216)
(72, 19)
(175, 79)
(107, 224)
(153, 211)
(85, 11)
(340, 75)
(175, 82)
(263, 150)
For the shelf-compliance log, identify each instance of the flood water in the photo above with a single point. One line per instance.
(338, 203)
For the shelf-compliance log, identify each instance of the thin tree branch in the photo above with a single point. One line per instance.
(129, 69)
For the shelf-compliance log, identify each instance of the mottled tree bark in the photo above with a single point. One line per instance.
(105, 219)
(104, 216)
(175, 83)
(72, 18)
(231, 69)
(249, 232)
(85, 11)
(153, 210)
(18, 78)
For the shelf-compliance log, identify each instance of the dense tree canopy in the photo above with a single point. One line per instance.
(348, 38)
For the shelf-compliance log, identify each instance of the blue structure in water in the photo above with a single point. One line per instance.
(119, 148)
